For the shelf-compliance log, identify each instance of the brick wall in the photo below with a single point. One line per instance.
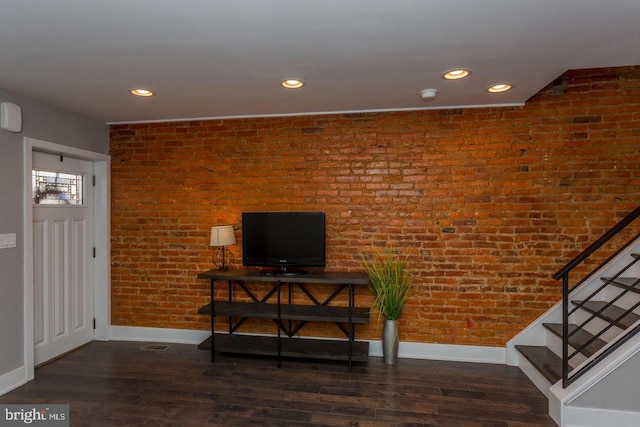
(488, 203)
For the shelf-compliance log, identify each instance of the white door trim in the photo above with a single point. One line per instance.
(102, 235)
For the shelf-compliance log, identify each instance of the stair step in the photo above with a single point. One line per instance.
(578, 338)
(625, 283)
(544, 360)
(610, 314)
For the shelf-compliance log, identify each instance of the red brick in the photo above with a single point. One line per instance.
(489, 203)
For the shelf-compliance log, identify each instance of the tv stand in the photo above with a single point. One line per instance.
(288, 316)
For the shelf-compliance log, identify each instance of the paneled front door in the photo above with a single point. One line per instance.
(63, 262)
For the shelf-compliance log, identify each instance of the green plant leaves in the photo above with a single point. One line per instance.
(390, 281)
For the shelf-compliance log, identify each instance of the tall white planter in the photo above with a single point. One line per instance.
(390, 342)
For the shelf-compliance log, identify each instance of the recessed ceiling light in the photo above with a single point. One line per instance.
(460, 73)
(141, 92)
(292, 83)
(501, 87)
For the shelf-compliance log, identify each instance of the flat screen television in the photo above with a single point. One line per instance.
(288, 240)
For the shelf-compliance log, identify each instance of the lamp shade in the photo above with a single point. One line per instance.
(222, 236)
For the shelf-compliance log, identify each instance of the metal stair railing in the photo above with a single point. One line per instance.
(563, 273)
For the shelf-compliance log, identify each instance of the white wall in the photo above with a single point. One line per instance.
(48, 123)
(617, 391)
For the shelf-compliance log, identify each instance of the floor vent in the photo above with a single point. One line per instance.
(155, 347)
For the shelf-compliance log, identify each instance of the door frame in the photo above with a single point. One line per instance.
(101, 232)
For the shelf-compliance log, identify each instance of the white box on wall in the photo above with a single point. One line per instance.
(10, 117)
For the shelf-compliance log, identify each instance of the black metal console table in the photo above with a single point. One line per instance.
(289, 317)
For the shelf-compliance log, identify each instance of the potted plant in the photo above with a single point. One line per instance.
(391, 284)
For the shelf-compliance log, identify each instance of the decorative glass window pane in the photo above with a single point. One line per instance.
(57, 188)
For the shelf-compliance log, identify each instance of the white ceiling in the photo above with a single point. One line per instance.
(225, 58)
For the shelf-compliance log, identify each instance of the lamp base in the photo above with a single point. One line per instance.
(223, 258)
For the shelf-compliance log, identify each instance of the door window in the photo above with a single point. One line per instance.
(57, 188)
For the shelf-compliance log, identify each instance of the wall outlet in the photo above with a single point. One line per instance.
(7, 240)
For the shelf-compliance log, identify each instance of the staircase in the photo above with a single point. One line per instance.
(584, 353)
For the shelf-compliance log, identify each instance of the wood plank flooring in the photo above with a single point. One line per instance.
(118, 384)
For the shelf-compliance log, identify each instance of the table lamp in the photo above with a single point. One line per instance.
(221, 237)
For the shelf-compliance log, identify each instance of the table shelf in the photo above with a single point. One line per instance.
(304, 348)
(289, 345)
(308, 313)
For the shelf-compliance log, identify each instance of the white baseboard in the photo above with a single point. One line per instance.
(13, 379)
(178, 336)
(452, 352)
(408, 350)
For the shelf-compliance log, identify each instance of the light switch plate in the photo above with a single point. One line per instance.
(8, 240)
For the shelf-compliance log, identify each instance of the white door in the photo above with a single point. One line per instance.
(63, 252)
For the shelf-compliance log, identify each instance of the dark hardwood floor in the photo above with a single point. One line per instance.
(118, 384)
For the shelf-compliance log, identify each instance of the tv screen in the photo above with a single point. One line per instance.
(283, 239)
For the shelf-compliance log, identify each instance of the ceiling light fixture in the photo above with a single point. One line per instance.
(292, 83)
(460, 73)
(501, 87)
(141, 92)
